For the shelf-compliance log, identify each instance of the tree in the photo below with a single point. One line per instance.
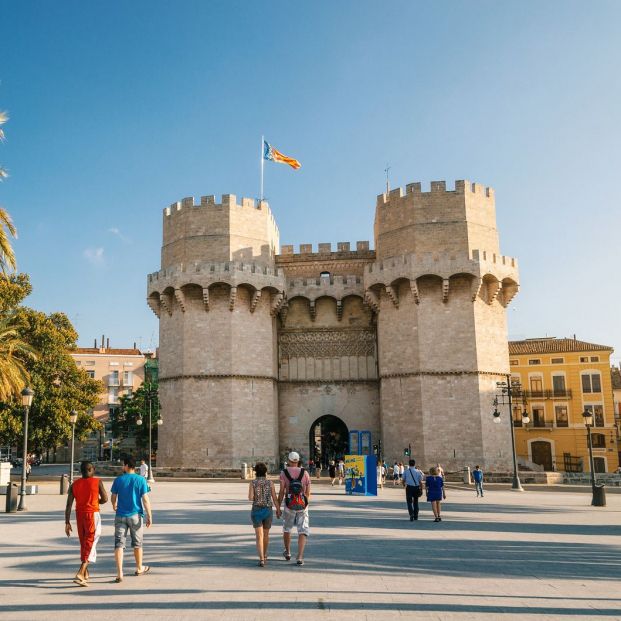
(59, 385)
(13, 289)
(14, 354)
(124, 421)
(7, 228)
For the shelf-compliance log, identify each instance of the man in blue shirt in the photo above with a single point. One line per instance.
(477, 475)
(129, 497)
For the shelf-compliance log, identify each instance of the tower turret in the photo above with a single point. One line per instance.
(440, 287)
(217, 296)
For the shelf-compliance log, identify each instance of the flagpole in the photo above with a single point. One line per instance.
(262, 165)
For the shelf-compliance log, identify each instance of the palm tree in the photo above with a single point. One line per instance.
(7, 256)
(13, 352)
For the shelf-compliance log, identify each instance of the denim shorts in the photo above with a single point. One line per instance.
(261, 516)
(133, 524)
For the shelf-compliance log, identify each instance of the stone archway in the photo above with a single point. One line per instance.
(328, 439)
(542, 454)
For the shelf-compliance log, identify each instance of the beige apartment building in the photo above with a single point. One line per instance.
(122, 371)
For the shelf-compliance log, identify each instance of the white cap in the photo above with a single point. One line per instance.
(293, 456)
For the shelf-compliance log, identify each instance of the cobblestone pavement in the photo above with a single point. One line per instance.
(523, 556)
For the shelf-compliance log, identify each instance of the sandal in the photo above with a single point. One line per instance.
(287, 555)
(300, 562)
(262, 562)
(145, 570)
(80, 582)
(117, 579)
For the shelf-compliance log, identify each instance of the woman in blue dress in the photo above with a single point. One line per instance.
(434, 484)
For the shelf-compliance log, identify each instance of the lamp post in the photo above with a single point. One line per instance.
(150, 393)
(588, 422)
(73, 417)
(27, 396)
(508, 389)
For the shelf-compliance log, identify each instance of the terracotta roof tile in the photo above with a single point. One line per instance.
(553, 346)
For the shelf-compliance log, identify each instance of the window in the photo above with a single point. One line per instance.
(91, 374)
(536, 385)
(113, 378)
(128, 364)
(78, 363)
(517, 417)
(598, 440)
(584, 358)
(129, 392)
(560, 412)
(539, 418)
(128, 378)
(113, 395)
(558, 385)
(591, 382)
(598, 414)
(534, 361)
(557, 360)
(594, 358)
(90, 363)
(515, 362)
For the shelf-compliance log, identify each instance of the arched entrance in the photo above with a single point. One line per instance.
(328, 439)
(542, 454)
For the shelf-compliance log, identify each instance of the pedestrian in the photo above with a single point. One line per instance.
(144, 469)
(332, 473)
(413, 483)
(262, 493)
(295, 489)
(395, 474)
(130, 500)
(311, 467)
(477, 475)
(440, 470)
(384, 471)
(380, 476)
(401, 471)
(434, 484)
(341, 470)
(88, 492)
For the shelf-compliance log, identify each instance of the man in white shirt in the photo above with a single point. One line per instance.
(413, 482)
(144, 469)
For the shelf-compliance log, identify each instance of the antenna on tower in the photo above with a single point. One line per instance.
(387, 180)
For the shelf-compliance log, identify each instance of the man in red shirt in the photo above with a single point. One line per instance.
(89, 492)
(295, 513)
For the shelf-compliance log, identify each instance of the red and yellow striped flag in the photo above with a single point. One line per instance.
(274, 155)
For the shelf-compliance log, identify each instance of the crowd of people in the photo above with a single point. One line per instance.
(130, 501)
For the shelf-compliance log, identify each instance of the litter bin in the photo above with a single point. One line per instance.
(64, 484)
(599, 496)
(11, 498)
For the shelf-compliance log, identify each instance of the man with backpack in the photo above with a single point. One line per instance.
(295, 487)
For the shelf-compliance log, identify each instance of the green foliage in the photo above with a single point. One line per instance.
(124, 424)
(13, 289)
(14, 354)
(59, 385)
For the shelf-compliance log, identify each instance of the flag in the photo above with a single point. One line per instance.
(273, 155)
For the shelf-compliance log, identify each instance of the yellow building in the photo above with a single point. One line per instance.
(561, 378)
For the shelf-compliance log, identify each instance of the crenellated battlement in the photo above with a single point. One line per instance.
(227, 200)
(323, 249)
(214, 268)
(461, 186)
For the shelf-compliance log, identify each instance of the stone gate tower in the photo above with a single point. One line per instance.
(263, 352)
(439, 287)
(217, 295)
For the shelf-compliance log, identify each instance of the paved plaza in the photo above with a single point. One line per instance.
(525, 556)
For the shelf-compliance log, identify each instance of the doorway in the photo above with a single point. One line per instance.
(542, 454)
(328, 440)
(599, 465)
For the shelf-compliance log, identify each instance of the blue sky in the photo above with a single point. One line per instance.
(118, 109)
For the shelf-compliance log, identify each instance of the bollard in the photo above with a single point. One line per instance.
(64, 484)
(467, 477)
(599, 496)
(244, 470)
(11, 498)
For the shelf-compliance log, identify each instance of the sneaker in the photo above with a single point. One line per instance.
(411, 518)
(287, 555)
(300, 561)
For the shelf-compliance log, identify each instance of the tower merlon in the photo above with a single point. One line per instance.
(435, 187)
(227, 200)
(362, 247)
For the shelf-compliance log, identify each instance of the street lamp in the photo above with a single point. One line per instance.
(150, 393)
(596, 500)
(73, 417)
(27, 395)
(509, 389)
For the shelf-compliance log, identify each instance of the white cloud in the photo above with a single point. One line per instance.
(95, 256)
(117, 233)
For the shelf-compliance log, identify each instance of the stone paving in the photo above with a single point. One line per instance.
(521, 556)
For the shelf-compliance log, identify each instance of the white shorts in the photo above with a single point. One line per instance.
(298, 519)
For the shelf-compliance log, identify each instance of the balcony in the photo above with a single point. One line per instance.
(539, 425)
(546, 394)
